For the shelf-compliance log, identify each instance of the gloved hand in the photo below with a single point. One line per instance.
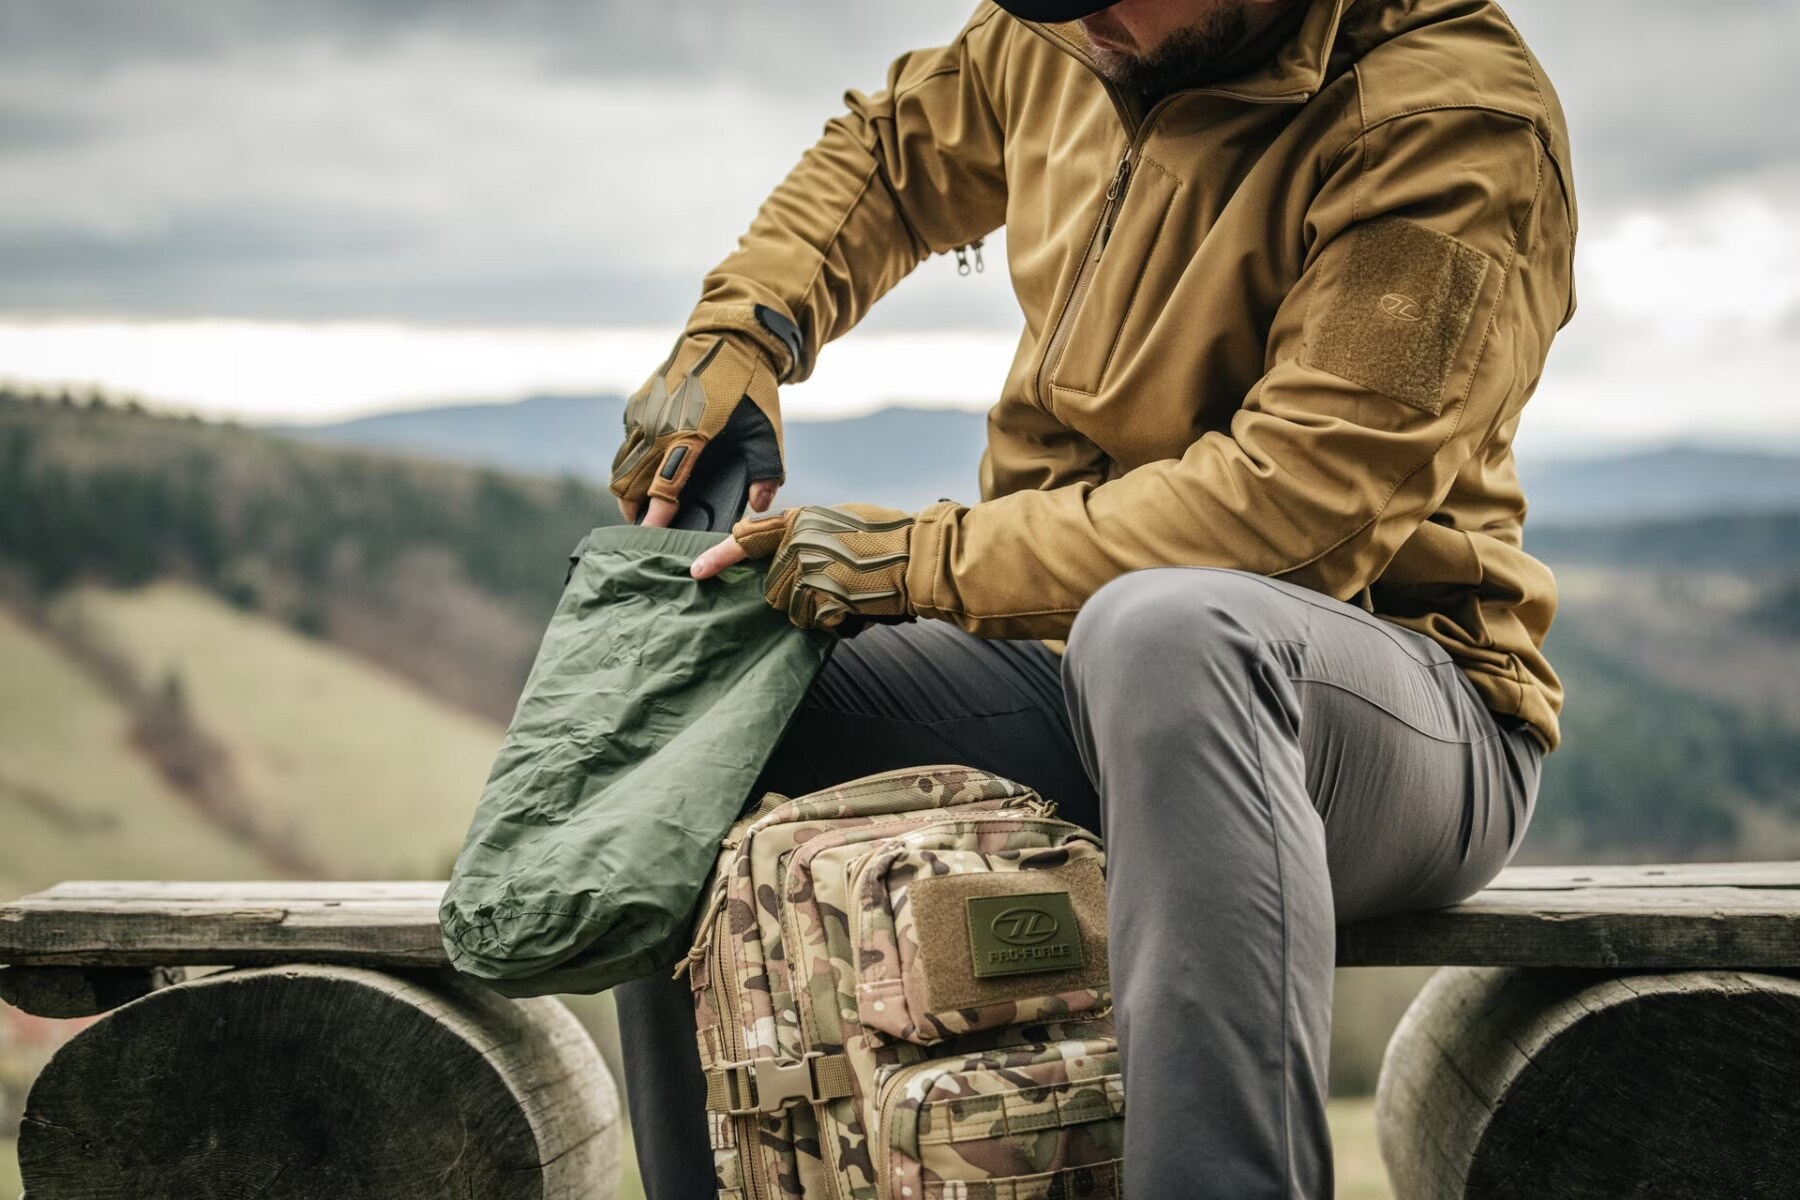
(713, 385)
(837, 567)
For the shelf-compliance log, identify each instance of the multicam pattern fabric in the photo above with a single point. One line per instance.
(774, 974)
(984, 1118)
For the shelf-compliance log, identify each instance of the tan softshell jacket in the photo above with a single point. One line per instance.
(1284, 324)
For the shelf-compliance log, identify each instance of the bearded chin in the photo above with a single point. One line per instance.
(1184, 59)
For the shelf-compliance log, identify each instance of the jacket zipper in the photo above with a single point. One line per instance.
(1084, 278)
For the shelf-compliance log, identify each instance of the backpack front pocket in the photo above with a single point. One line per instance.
(978, 924)
(1029, 1123)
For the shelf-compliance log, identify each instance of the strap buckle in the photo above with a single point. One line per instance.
(767, 1085)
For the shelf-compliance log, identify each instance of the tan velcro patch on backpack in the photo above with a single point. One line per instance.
(939, 904)
(1394, 318)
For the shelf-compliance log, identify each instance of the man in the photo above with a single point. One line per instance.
(1289, 271)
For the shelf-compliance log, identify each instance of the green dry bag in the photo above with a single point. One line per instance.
(652, 706)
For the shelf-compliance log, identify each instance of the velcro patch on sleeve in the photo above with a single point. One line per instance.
(1394, 318)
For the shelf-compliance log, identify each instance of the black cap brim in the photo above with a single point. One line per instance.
(1051, 11)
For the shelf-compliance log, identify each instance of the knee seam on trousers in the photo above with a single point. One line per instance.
(1382, 708)
(1262, 773)
(1329, 604)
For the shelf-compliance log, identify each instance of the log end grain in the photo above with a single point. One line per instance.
(307, 1081)
(1509, 1084)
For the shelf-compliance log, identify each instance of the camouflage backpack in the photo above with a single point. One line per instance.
(900, 988)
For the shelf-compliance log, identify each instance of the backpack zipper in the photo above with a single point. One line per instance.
(745, 1129)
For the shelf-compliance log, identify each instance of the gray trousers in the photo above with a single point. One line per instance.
(1263, 762)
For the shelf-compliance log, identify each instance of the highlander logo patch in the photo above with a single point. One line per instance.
(1396, 305)
(1021, 935)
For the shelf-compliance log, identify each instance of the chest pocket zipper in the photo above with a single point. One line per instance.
(1122, 287)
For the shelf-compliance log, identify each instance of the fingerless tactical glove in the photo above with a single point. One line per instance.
(835, 567)
(713, 385)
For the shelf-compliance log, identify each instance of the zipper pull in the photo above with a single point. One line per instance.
(963, 266)
(704, 927)
(1119, 178)
(1120, 181)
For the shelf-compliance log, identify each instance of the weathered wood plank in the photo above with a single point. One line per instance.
(1734, 874)
(1775, 875)
(234, 924)
(1615, 928)
(1706, 915)
(253, 893)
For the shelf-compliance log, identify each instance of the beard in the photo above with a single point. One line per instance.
(1186, 58)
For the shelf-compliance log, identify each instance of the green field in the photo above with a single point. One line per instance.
(77, 801)
(334, 755)
(350, 765)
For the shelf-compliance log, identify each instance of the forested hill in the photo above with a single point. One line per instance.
(444, 573)
(1677, 639)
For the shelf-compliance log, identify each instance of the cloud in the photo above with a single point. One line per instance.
(1665, 97)
(301, 372)
(450, 162)
(581, 163)
(765, 45)
(1721, 268)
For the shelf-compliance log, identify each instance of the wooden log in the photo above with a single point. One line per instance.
(64, 992)
(1572, 1085)
(302, 1082)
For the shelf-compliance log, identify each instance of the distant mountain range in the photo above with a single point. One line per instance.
(904, 457)
(908, 457)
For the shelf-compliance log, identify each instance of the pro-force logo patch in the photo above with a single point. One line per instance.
(1021, 935)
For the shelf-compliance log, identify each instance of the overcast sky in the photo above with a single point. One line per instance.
(304, 208)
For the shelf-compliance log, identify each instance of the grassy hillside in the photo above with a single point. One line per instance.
(77, 801)
(444, 574)
(331, 761)
(354, 769)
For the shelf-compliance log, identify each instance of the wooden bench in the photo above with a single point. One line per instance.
(1596, 1033)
